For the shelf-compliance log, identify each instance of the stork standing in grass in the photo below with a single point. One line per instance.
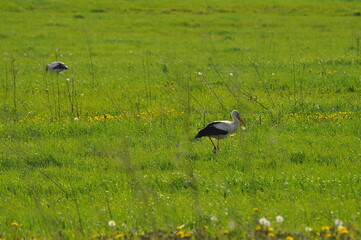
(56, 67)
(221, 129)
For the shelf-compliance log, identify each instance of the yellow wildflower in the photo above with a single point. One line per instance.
(119, 235)
(255, 209)
(225, 231)
(271, 234)
(342, 230)
(187, 235)
(180, 234)
(258, 228)
(180, 227)
(325, 228)
(205, 227)
(289, 238)
(15, 224)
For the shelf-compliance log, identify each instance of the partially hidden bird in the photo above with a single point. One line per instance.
(221, 129)
(56, 67)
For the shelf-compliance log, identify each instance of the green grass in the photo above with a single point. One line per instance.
(159, 71)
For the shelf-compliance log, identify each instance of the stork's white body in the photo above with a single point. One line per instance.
(227, 126)
(221, 129)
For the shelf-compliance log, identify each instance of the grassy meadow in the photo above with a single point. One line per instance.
(106, 149)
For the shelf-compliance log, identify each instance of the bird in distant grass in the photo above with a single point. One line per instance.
(221, 129)
(56, 67)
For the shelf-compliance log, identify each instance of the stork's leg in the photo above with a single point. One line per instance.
(215, 148)
(218, 144)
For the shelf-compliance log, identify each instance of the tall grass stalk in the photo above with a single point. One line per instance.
(146, 78)
(56, 183)
(92, 74)
(15, 100)
(213, 92)
(255, 66)
(48, 102)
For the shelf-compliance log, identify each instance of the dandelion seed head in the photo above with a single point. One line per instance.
(231, 74)
(214, 219)
(111, 223)
(338, 222)
(199, 73)
(279, 219)
(264, 222)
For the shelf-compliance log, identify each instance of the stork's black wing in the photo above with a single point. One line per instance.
(60, 66)
(211, 130)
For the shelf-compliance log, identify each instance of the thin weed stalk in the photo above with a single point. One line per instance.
(58, 97)
(225, 84)
(7, 83)
(342, 95)
(70, 97)
(52, 180)
(264, 85)
(86, 35)
(146, 77)
(45, 79)
(138, 188)
(14, 73)
(108, 95)
(214, 93)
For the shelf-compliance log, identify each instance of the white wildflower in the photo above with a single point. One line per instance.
(231, 74)
(111, 223)
(264, 222)
(199, 73)
(214, 218)
(308, 229)
(279, 219)
(338, 222)
(76, 119)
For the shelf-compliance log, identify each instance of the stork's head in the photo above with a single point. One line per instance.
(235, 116)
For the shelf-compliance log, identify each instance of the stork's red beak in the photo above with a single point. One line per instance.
(240, 119)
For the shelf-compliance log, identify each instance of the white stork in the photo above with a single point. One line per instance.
(221, 129)
(56, 67)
